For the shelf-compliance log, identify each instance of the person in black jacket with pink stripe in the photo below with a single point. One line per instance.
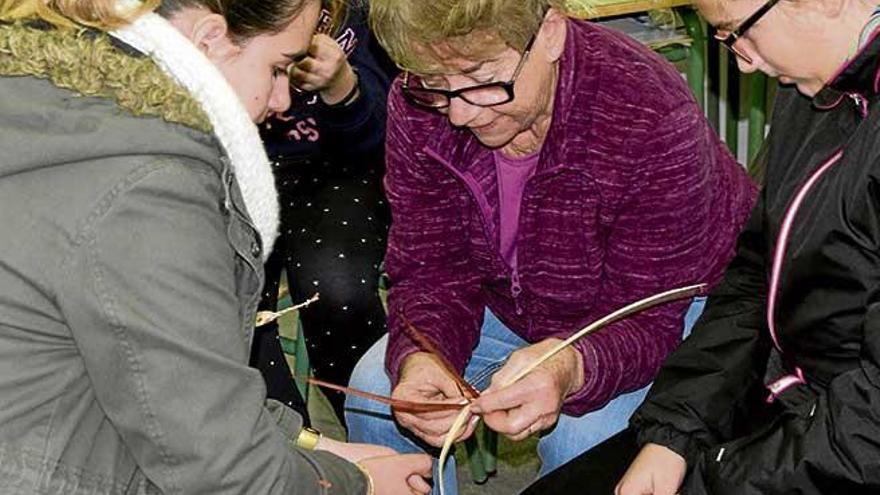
(777, 390)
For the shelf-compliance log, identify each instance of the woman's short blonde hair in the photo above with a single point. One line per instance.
(101, 14)
(403, 27)
(246, 18)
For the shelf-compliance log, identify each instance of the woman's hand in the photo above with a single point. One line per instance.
(533, 403)
(423, 379)
(655, 471)
(399, 474)
(325, 70)
(391, 473)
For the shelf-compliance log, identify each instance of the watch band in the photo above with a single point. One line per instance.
(308, 438)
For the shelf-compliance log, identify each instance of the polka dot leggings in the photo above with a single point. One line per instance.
(334, 223)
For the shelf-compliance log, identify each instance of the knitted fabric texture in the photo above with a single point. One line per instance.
(136, 84)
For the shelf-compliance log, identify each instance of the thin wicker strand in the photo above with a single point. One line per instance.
(638, 306)
(397, 404)
(426, 345)
(457, 427)
(266, 317)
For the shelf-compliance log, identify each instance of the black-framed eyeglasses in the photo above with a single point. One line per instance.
(481, 95)
(730, 40)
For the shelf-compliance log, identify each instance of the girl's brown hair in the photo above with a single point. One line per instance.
(246, 18)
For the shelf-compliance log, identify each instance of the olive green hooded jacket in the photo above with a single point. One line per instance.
(130, 273)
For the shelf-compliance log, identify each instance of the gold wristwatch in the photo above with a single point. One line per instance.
(308, 438)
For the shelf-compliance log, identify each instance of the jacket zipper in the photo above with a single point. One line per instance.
(516, 290)
(861, 103)
(515, 286)
(797, 377)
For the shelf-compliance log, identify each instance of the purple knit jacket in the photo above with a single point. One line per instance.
(633, 194)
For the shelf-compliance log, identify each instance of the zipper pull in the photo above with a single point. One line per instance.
(861, 103)
(515, 291)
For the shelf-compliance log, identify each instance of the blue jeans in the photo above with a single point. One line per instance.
(372, 422)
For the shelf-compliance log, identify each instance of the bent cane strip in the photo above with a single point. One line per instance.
(640, 305)
(426, 345)
(454, 431)
(398, 404)
(266, 317)
(636, 307)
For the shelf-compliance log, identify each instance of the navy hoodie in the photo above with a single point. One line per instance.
(311, 128)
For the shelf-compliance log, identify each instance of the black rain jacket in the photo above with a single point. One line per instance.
(709, 403)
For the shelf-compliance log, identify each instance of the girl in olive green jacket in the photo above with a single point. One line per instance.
(136, 210)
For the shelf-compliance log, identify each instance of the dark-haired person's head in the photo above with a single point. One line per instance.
(252, 42)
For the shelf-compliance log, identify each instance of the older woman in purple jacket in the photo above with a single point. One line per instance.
(542, 172)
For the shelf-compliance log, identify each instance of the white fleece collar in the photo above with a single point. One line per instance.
(176, 55)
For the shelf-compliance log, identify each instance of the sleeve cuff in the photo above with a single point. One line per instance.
(681, 443)
(581, 401)
(335, 475)
(342, 117)
(395, 359)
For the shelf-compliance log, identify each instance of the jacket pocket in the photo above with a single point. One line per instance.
(756, 463)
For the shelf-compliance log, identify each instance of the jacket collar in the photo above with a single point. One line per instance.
(110, 69)
(859, 75)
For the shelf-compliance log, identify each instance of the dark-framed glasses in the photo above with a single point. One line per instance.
(482, 95)
(730, 40)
